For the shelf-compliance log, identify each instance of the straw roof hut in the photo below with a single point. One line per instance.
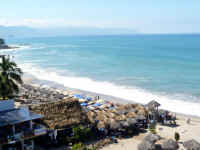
(132, 121)
(146, 145)
(92, 116)
(125, 124)
(140, 117)
(170, 145)
(153, 105)
(101, 125)
(115, 125)
(192, 145)
(131, 115)
(62, 114)
(153, 138)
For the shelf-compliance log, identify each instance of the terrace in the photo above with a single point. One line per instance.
(20, 124)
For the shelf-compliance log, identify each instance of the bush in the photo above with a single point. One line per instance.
(177, 136)
(81, 134)
(152, 128)
(79, 146)
(2, 41)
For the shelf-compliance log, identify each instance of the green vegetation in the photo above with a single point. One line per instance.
(82, 134)
(2, 42)
(152, 128)
(177, 136)
(81, 146)
(10, 78)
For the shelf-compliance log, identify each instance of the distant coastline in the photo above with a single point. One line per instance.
(3, 45)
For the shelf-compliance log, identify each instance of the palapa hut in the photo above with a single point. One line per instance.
(152, 107)
(62, 114)
(191, 145)
(170, 145)
(115, 125)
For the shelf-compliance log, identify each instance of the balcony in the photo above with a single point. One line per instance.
(39, 130)
(26, 133)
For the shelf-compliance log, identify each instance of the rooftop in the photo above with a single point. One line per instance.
(15, 116)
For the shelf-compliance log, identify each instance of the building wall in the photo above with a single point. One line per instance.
(6, 105)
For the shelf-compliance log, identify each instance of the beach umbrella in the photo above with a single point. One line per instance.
(153, 138)
(122, 112)
(89, 98)
(132, 121)
(131, 115)
(79, 96)
(125, 124)
(101, 125)
(97, 104)
(192, 145)
(100, 101)
(170, 145)
(91, 102)
(65, 93)
(114, 125)
(84, 104)
(146, 145)
(140, 117)
(82, 100)
(91, 107)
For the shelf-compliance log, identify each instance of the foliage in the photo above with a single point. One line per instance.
(79, 146)
(82, 133)
(2, 41)
(177, 136)
(152, 128)
(10, 78)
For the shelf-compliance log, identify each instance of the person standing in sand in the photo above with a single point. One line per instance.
(188, 121)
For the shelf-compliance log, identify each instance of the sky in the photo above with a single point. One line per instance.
(144, 16)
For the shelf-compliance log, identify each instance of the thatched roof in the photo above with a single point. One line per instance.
(62, 114)
(170, 145)
(132, 121)
(66, 113)
(146, 145)
(114, 125)
(153, 104)
(153, 138)
(121, 117)
(192, 145)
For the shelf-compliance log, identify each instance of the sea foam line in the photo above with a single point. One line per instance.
(107, 88)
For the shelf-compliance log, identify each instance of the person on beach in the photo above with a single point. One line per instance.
(188, 121)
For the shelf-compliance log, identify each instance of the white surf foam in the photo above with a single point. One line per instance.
(16, 47)
(106, 88)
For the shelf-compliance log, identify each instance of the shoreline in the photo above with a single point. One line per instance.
(186, 130)
(8, 47)
(31, 80)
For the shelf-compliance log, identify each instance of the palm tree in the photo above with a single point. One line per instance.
(2, 42)
(10, 78)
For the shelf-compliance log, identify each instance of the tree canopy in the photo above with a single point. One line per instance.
(2, 41)
(10, 78)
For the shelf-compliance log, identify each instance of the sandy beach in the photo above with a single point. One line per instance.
(186, 131)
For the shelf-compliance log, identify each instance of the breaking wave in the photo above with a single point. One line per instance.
(107, 88)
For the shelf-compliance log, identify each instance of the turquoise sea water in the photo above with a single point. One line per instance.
(134, 67)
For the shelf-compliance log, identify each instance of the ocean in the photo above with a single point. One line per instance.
(138, 68)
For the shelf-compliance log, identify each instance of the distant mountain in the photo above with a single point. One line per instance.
(24, 31)
(16, 31)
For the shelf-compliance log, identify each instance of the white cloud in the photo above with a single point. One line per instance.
(43, 22)
(64, 23)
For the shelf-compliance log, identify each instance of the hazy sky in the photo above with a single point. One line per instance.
(147, 16)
